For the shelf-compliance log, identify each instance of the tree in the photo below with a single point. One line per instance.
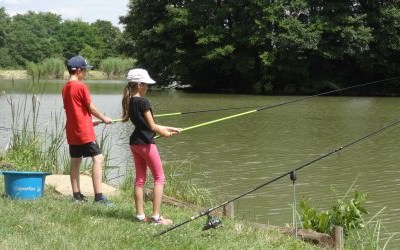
(110, 37)
(5, 58)
(157, 32)
(76, 36)
(4, 25)
(32, 37)
(384, 19)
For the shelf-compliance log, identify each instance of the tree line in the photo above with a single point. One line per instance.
(246, 46)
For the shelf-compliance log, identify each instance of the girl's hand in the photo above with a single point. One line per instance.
(172, 131)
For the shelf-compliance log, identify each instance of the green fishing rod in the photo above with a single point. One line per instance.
(216, 223)
(258, 108)
(280, 104)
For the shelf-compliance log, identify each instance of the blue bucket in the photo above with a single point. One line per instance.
(24, 185)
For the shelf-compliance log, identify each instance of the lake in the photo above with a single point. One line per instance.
(236, 155)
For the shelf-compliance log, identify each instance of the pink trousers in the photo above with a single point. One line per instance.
(146, 155)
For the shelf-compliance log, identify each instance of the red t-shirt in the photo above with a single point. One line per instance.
(79, 126)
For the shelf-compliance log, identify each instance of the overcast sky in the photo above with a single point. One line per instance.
(85, 10)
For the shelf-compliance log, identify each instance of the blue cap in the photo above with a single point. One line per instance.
(78, 62)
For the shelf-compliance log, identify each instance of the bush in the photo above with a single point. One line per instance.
(116, 67)
(345, 214)
(50, 68)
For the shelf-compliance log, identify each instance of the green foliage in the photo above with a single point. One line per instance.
(33, 37)
(76, 36)
(29, 149)
(254, 46)
(185, 190)
(310, 218)
(110, 36)
(370, 236)
(181, 189)
(275, 47)
(49, 68)
(116, 67)
(349, 215)
(345, 214)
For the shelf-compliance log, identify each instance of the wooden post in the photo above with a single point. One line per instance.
(229, 210)
(338, 237)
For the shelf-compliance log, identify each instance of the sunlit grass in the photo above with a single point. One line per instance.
(54, 222)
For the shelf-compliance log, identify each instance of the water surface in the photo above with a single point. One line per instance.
(236, 155)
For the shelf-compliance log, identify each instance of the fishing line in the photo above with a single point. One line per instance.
(208, 211)
(283, 103)
(258, 108)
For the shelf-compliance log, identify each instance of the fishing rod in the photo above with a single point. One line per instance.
(278, 105)
(259, 108)
(291, 172)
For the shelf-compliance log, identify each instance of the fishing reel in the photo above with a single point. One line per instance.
(212, 222)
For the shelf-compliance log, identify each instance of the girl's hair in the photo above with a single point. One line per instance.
(126, 99)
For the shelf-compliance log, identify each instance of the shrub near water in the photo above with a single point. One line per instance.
(359, 234)
(116, 67)
(30, 149)
(50, 68)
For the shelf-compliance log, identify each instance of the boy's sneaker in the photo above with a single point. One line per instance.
(160, 221)
(81, 198)
(104, 201)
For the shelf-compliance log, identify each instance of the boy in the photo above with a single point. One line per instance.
(80, 129)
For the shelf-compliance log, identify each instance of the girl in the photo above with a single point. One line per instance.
(138, 109)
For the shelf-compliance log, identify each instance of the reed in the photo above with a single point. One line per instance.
(50, 68)
(184, 188)
(372, 236)
(105, 146)
(116, 67)
(24, 147)
(180, 188)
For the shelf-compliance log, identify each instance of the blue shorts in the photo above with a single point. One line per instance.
(85, 150)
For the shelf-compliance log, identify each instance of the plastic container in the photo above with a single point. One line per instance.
(24, 185)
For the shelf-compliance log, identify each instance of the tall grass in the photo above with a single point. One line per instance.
(370, 236)
(50, 68)
(185, 189)
(31, 149)
(181, 189)
(116, 67)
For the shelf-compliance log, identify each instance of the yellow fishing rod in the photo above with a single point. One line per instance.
(259, 108)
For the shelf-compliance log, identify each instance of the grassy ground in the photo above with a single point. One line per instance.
(54, 222)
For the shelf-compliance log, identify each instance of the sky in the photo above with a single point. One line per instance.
(85, 10)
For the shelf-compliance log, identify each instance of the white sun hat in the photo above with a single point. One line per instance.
(139, 75)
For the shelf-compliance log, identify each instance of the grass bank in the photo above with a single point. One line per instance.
(23, 75)
(54, 222)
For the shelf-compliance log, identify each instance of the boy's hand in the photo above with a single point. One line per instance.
(107, 120)
(97, 122)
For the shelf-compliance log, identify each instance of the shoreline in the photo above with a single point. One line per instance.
(16, 74)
